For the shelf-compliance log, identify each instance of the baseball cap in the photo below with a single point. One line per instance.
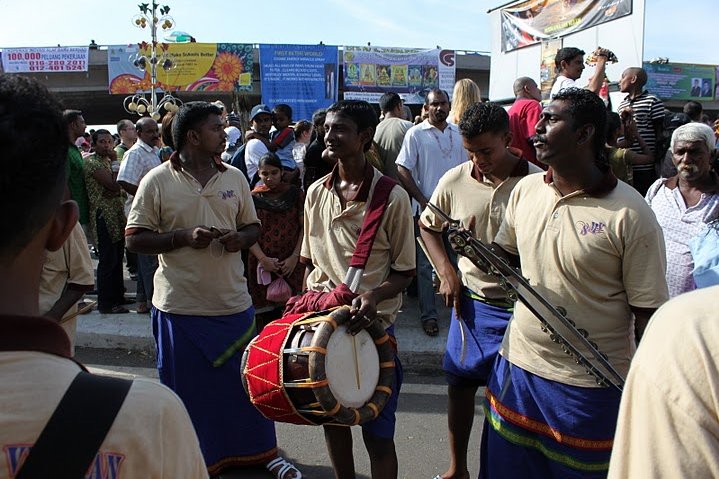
(257, 109)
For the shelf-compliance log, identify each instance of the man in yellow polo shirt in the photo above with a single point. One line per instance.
(590, 244)
(196, 213)
(478, 299)
(334, 211)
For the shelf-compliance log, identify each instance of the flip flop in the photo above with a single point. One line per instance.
(280, 467)
(430, 326)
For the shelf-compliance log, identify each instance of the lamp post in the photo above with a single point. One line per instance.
(139, 103)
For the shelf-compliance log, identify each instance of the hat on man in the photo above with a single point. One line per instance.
(233, 135)
(257, 109)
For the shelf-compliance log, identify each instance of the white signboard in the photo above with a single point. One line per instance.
(45, 59)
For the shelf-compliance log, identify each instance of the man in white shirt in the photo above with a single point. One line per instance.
(428, 151)
(260, 122)
(569, 63)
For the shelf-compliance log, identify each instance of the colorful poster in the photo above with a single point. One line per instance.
(302, 76)
(370, 72)
(45, 59)
(681, 81)
(532, 21)
(547, 70)
(190, 67)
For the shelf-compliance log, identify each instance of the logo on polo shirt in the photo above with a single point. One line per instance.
(226, 195)
(590, 228)
(106, 465)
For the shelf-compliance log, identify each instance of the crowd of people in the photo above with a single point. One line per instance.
(220, 227)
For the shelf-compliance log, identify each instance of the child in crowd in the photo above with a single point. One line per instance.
(279, 207)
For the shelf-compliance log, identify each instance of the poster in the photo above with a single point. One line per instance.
(547, 70)
(369, 72)
(196, 67)
(532, 21)
(45, 59)
(681, 81)
(302, 76)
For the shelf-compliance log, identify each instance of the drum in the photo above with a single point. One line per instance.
(305, 369)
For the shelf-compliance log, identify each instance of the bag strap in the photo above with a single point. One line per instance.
(372, 220)
(72, 436)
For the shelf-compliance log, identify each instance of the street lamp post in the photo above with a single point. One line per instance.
(139, 103)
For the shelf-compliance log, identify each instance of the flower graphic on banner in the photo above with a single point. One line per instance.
(227, 67)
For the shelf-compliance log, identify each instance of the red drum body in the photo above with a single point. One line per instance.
(305, 369)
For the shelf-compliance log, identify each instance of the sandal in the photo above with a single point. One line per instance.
(430, 326)
(282, 469)
(115, 310)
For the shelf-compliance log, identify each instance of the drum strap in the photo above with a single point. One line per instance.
(370, 226)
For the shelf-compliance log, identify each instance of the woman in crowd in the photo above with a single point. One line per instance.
(465, 94)
(279, 207)
(686, 202)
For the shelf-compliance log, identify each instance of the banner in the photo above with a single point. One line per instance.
(547, 70)
(302, 76)
(45, 59)
(196, 67)
(370, 72)
(679, 81)
(532, 21)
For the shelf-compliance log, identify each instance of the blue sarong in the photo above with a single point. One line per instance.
(540, 429)
(231, 431)
(485, 327)
(384, 425)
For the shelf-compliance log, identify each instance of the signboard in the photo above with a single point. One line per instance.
(547, 69)
(532, 21)
(45, 59)
(196, 67)
(301, 76)
(369, 72)
(681, 81)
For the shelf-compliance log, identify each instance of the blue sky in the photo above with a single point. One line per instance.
(672, 30)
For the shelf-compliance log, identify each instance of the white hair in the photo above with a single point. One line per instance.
(692, 132)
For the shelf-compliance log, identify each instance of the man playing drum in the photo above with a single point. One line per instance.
(196, 213)
(590, 244)
(334, 210)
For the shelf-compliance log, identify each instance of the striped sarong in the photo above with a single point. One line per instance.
(537, 428)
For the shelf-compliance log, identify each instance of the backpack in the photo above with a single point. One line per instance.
(238, 160)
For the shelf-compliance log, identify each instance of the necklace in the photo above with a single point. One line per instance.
(448, 151)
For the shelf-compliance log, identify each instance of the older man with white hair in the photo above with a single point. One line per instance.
(686, 202)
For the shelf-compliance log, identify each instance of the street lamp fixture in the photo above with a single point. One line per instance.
(158, 56)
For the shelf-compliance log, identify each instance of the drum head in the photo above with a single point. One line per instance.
(344, 367)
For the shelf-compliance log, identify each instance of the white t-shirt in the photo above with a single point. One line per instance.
(560, 84)
(253, 152)
(429, 153)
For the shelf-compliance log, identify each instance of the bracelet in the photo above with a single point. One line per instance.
(172, 239)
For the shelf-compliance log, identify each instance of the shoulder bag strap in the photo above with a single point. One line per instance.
(72, 437)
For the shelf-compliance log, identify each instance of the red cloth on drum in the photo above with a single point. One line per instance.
(318, 301)
(264, 372)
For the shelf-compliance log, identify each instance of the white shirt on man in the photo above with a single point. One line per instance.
(254, 151)
(427, 152)
(137, 162)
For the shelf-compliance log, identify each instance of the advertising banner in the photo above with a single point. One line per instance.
(532, 21)
(681, 81)
(195, 67)
(44, 59)
(301, 76)
(370, 72)
(547, 71)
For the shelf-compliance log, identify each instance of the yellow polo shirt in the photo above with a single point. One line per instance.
(331, 233)
(201, 282)
(592, 255)
(69, 267)
(464, 193)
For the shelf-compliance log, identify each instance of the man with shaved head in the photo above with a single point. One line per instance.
(648, 113)
(523, 117)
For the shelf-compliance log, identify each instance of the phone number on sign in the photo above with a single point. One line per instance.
(57, 65)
